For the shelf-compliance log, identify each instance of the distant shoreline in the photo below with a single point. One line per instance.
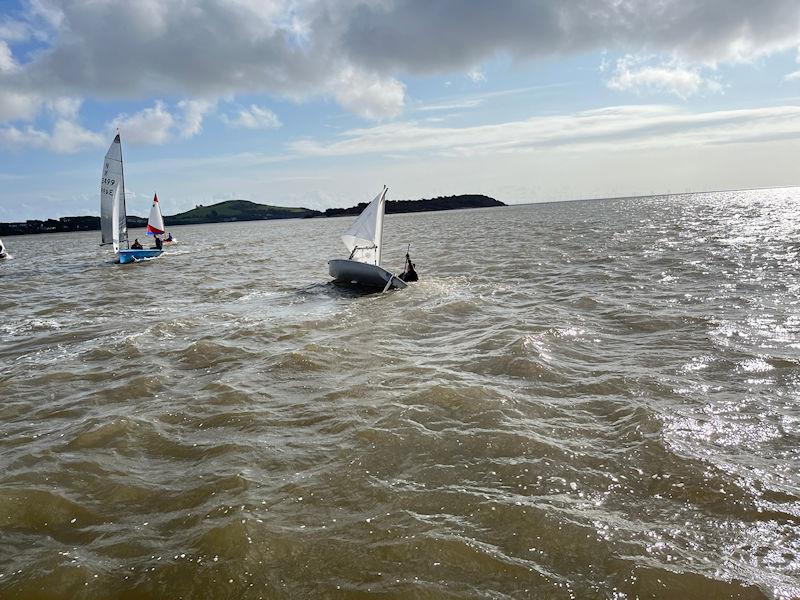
(231, 211)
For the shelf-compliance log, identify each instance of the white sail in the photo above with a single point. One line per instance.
(113, 220)
(155, 224)
(363, 237)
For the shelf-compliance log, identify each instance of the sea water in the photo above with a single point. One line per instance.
(594, 399)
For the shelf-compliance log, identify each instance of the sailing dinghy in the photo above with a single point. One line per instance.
(3, 251)
(113, 218)
(155, 223)
(363, 239)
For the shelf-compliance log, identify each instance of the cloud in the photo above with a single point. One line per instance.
(157, 125)
(476, 75)
(368, 95)
(359, 51)
(254, 117)
(194, 111)
(66, 137)
(13, 30)
(65, 107)
(7, 62)
(16, 106)
(148, 126)
(612, 129)
(638, 74)
(794, 76)
(466, 103)
(153, 125)
(406, 34)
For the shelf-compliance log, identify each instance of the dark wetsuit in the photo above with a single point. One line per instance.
(159, 243)
(409, 274)
(136, 246)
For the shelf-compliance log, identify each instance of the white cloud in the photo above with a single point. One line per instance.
(18, 106)
(153, 125)
(194, 111)
(7, 62)
(148, 126)
(794, 76)
(254, 117)
(476, 75)
(67, 137)
(452, 105)
(65, 107)
(640, 75)
(368, 95)
(611, 129)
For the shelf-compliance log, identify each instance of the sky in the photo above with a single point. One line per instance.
(318, 103)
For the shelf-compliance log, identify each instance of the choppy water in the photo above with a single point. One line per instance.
(578, 400)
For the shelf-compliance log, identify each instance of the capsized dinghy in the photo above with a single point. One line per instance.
(113, 218)
(363, 239)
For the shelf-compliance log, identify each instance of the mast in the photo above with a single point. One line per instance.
(379, 232)
(124, 210)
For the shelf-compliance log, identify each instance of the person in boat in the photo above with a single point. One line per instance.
(136, 245)
(159, 243)
(409, 274)
(169, 237)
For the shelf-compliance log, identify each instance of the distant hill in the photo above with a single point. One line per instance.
(237, 210)
(244, 210)
(62, 225)
(407, 206)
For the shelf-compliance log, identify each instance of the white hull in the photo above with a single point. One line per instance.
(362, 274)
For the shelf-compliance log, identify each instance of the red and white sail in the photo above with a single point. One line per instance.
(155, 224)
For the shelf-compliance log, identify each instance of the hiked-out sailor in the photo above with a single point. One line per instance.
(409, 274)
(136, 245)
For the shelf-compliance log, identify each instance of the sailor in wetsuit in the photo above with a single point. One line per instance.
(136, 245)
(409, 274)
(159, 243)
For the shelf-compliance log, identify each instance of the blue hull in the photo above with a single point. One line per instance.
(126, 256)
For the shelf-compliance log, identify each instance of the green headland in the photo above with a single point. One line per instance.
(244, 210)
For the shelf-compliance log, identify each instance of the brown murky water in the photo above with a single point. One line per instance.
(578, 400)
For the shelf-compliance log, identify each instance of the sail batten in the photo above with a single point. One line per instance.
(363, 238)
